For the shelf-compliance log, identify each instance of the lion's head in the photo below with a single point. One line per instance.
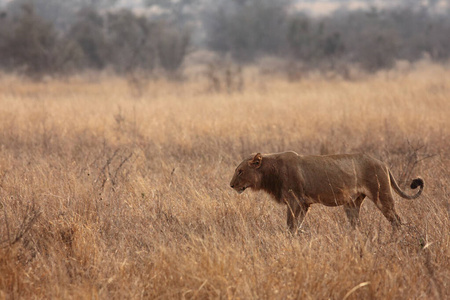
(247, 174)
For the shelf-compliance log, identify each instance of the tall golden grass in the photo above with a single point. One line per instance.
(108, 195)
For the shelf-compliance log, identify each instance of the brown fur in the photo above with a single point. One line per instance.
(332, 180)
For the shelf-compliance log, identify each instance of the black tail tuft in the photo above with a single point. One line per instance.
(416, 183)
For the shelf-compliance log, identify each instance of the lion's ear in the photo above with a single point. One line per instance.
(256, 161)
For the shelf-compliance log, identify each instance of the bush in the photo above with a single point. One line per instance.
(121, 40)
(133, 40)
(31, 45)
(89, 34)
(379, 51)
(172, 47)
(246, 29)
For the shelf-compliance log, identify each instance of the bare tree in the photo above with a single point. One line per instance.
(247, 28)
(31, 44)
(172, 48)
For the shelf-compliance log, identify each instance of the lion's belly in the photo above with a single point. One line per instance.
(332, 184)
(333, 197)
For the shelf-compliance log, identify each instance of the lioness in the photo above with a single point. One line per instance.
(332, 180)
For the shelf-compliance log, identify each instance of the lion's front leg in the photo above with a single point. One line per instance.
(296, 212)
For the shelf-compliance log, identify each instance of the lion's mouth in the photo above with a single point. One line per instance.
(241, 190)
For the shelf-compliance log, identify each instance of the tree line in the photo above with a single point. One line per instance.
(94, 37)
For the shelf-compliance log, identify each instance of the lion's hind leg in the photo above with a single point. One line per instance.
(391, 215)
(385, 203)
(352, 210)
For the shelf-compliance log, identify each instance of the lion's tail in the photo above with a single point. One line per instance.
(418, 182)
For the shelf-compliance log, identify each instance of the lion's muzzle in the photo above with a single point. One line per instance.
(239, 190)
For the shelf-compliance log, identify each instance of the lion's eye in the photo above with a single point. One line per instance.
(239, 172)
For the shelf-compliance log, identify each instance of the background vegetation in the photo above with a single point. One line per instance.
(105, 194)
(54, 37)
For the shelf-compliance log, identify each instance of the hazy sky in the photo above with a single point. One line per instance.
(319, 7)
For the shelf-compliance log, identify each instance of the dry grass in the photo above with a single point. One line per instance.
(104, 195)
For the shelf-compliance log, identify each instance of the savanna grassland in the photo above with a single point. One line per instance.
(113, 195)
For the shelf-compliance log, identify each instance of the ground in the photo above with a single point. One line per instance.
(112, 190)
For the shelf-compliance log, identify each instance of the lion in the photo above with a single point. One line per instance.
(332, 180)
